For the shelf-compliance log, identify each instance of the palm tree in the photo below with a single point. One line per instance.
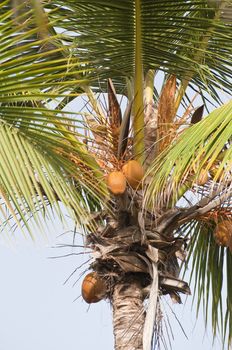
(149, 184)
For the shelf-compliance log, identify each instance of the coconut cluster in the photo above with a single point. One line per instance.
(131, 173)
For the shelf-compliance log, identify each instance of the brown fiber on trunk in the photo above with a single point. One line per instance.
(128, 315)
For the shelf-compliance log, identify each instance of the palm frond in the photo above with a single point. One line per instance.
(188, 39)
(30, 66)
(43, 158)
(209, 264)
(33, 178)
(200, 147)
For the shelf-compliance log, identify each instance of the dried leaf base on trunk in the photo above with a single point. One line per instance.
(128, 315)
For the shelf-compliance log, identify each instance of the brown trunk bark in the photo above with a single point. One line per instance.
(128, 315)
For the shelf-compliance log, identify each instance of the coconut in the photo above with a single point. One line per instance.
(133, 172)
(203, 177)
(223, 232)
(93, 288)
(116, 182)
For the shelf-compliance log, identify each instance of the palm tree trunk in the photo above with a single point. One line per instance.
(128, 315)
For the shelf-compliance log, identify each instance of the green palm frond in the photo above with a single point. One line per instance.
(199, 147)
(35, 176)
(211, 266)
(44, 161)
(188, 39)
(30, 65)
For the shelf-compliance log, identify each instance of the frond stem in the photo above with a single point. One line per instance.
(138, 124)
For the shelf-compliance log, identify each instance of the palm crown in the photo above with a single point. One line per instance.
(140, 217)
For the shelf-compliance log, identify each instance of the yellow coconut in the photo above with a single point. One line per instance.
(134, 173)
(116, 182)
(203, 177)
(223, 232)
(93, 288)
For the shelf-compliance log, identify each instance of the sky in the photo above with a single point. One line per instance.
(37, 311)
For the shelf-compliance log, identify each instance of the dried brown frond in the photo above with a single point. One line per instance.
(166, 113)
